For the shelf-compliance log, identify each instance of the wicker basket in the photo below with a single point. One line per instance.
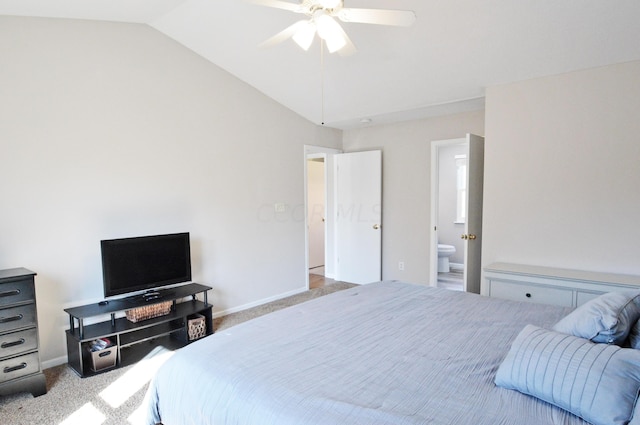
(197, 327)
(149, 311)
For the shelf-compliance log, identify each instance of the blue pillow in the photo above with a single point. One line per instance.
(607, 319)
(597, 382)
(634, 336)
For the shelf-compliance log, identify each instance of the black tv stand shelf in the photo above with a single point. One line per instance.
(131, 341)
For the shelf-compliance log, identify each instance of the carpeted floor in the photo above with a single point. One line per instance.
(112, 398)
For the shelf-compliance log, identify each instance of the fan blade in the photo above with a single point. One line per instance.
(284, 34)
(400, 18)
(279, 4)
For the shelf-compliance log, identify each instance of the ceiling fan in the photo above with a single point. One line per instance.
(321, 19)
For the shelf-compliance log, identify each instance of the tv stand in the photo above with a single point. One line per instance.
(132, 341)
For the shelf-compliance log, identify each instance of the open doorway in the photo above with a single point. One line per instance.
(350, 219)
(452, 171)
(457, 169)
(316, 213)
(319, 215)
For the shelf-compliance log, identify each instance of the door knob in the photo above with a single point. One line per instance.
(468, 237)
(376, 226)
(472, 237)
(465, 237)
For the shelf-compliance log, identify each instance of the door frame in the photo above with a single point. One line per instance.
(310, 152)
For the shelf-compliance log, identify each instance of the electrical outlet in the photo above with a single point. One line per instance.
(400, 265)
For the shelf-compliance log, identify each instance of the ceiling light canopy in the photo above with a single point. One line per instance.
(330, 4)
(321, 19)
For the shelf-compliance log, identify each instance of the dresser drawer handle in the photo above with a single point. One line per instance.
(11, 319)
(10, 293)
(12, 344)
(14, 368)
(528, 295)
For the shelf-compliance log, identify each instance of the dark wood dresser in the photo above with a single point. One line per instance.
(20, 369)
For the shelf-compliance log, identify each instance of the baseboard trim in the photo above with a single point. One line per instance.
(54, 362)
(247, 306)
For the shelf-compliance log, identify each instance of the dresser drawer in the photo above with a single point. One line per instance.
(16, 367)
(16, 291)
(17, 317)
(584, 297)
(531, 293)
(18, 342)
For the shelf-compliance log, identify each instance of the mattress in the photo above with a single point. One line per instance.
(383, 353)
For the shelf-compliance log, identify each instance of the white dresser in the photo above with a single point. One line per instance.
(550, 285)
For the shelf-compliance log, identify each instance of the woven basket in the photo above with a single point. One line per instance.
(149, 311)
(197, 327)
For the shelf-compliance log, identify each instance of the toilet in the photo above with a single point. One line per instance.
(444, 252)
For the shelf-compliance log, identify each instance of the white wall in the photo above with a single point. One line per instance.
(406, 180)
(562, 171)
(111, 130)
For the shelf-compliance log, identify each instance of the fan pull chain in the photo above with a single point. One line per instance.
(321, 81)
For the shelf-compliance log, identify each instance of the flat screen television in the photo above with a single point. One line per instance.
(145, 262)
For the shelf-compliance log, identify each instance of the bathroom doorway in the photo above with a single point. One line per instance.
(457, 167)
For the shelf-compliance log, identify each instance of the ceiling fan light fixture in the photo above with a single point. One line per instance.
(329, 30)
(335, 43)
(323, 15)
(304, 36)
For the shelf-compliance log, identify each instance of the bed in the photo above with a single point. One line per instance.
(383, 353)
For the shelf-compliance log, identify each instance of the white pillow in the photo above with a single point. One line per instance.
(597, 382)
(607, 319)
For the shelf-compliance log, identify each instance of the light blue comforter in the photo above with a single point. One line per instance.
(384, 353)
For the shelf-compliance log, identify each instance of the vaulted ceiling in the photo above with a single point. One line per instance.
(441, 64)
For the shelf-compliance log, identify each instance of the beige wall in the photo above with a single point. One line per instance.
(111, 130)
(406, 163)
(562, 171)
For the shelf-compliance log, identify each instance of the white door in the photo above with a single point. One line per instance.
(359, 217)
(471, 234)
(473, 227)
